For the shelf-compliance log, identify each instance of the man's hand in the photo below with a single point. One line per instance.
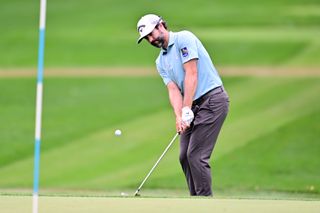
(179, 124)
(187, 116)
(183, 122)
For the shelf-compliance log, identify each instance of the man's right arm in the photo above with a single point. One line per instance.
(176, 103)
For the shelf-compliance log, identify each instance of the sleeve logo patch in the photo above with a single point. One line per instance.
(184, 52)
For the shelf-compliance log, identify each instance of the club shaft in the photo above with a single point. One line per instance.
(156, 164)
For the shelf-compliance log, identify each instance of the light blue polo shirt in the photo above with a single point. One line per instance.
(182, 47)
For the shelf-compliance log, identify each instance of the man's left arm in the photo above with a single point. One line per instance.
(190, 85)
(189, 58)
(190, 81)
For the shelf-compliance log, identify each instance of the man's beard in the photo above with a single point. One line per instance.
(158, 42)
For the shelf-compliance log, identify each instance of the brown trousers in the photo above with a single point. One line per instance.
(197, 143)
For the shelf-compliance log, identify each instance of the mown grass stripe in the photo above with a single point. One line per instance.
(97, 160)
(267, 119)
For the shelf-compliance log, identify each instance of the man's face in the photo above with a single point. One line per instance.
(156, 38)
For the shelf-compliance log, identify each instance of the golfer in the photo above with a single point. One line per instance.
(196, 93)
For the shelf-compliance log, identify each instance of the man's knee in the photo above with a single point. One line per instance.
(193, 157)
(183, 158)
(196, 159)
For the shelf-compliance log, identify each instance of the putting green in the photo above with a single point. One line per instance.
(18, 204)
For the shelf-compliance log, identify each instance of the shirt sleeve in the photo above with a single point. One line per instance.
(164, 75)
(187, 46)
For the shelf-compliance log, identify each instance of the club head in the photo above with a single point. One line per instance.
(136, 194)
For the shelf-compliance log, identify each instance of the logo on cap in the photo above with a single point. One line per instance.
(140, 28)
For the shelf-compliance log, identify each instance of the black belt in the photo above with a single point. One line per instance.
(202, 98)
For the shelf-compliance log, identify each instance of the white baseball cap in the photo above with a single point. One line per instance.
(146, 24)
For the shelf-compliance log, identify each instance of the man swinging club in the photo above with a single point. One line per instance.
(198, 98)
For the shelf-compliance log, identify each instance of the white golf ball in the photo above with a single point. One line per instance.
(117, 132)
(124, 194)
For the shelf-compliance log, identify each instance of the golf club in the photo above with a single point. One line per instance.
(155, 165)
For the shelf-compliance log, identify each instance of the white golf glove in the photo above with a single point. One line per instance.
(187, 115)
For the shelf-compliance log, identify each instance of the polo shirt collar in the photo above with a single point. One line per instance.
(172, 38)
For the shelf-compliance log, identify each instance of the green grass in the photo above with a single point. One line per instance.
(98, 102)
(290, 162)
(269, 143)
(16, 204)
(103, 33)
